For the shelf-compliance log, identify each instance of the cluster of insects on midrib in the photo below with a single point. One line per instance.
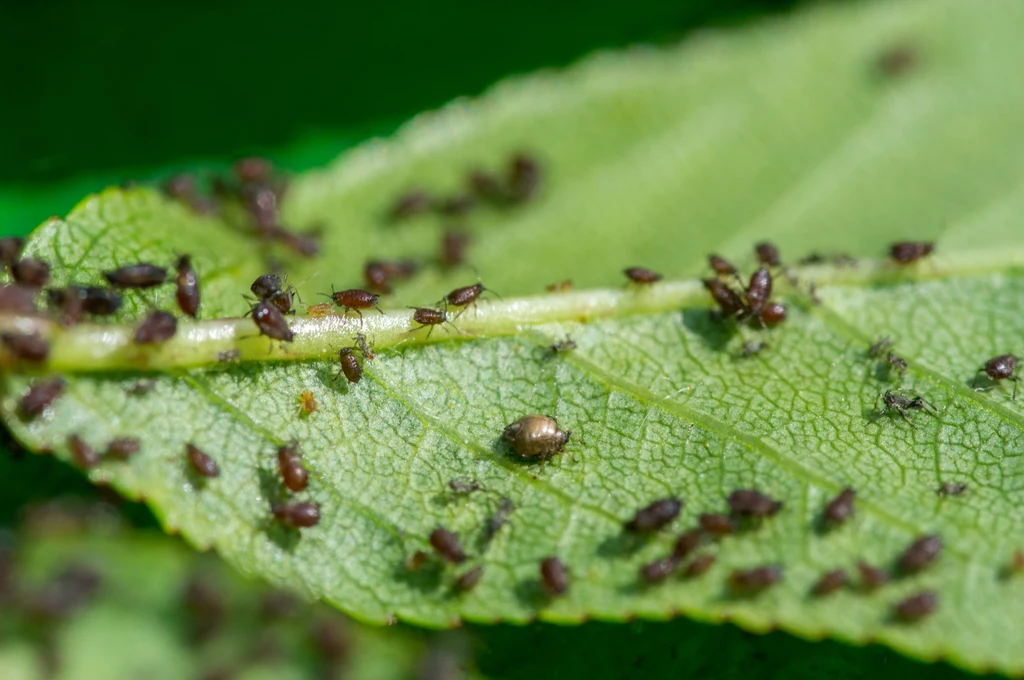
(738, 301)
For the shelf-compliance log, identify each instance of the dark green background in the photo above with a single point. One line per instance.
(100, 91)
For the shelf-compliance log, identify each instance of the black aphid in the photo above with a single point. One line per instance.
(917, 607)
(31, 271)
(872, 578)
(141, 275)
(655, 516)
(446, 544)
(1003, 367)
(951, 489)
(753, 503)
(39, 397)
(271, 322)
(82, 454)
(659, 570)
(462, 487)
(561, 346)
(840, 508)
(30, 347)
(906, 252)
(187, 292)
(687, 542)
(717, 524)
(896, 400)
(830, 582)
(157, 327)
(920, 554)
(642, 275)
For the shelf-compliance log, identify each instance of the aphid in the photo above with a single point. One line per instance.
(27, 346)
(140, 387)
(307, 402)
(773, 313)
(201, 462)
(897, 401)
(554, 576)
(453, 248)
(536, 436)
(228, 356)
(157, 327)
(882, 345)
(376, 278)
(261, 204)
(951, 489)
(331, 642)
(31, 271)
(566, 345)
(428, 316)
(123, 448)
(17, 299)
(289, 463)
(350, 367)
(187, 292)
(872, 578)
(756, 580)
(767, 254)
(699, 565)
(1016, 563)
(1003, 367)
(470, 579)
(320, 309)
(659, 570)
(84, 455)
(721, 266)
(410, 204)
(753, 503)
(266, 285)
(717, 524)
(277, 604)
(39, 397)
(906, 252)
(917, 607)
(728, 301)
(101, 301)
(447, 545)
(271, 322)
(559, 287)
(456, 205)
(467, 295)
(840, 508)
(500, 517)
(896, 364)
(141, 275)
(487, 187)
(655, 516)
(252, 169)
(10, 249)
(461, 487)
(758, 291)
(416, 561)
(920, 554)
(829, 583)
(181, 186)
(355, 299)
(641, 275)
(896, 60)
(364, 348)
(687, 542)
(307, 245)
(296, 514)
(811, 259)
(524, 176)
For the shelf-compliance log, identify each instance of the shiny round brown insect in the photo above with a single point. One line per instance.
(350, 367)
(840, 508)
(753, 503)
(896, 400)
(907, 252)
(289, 463)
(829, 583)
(141, 275)
(717, 524)
(271, 322)
(187, 292)
(920, 554)
(655, 516)
(729, 302)
(266, 285)
(31, 271)
(469, 580)
(30, 347)
(767, 254)
(917, 607)
(430, 317)
(453, 248)
(298, 515)
(773, 313)
(40, 396)
(642, 275)
(201, 462)
(307, 403)
(123, 448)
(947, 489)
(10, 249)
(17, 299)
(82, 454)
(554, 576)
(687, 542)
(446, 544)
(1002, 367)
(754, 581)
(872, 578)
(355, 299)
(536, 436)
(157, 327)
(759, 290)
(659, 570)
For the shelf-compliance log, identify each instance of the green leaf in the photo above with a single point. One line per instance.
(788, 131)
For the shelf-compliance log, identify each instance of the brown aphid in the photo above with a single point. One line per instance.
(261, 204)
(717, 524)
(298, 515)
(1016, 566)
(157, 327)
(554, 576)
(141, 275)
(1002, 367)
(767, 254)
(82, 454)
(123, 448)
(655, 516)
(917, 607)
(453, 248)
(355, 299)
(872, 578)
(187, 292)
(721, 266)
(307, 402)
(181, 186)
(699, 565)
(728, 300)
(428, 316)
(364, 347)
(416, 561)
(410, 204)
(201, 462)
(907, 252)
(951, 489)
(350, 367)
(641, 275)
(266, 285)
(895, 400)
(524, 177)
(39, 397)
(376, 278)
(759, 290)
(31, 271)
(101, 301)
(896, 364)
(756, 580)
(880, 346)
(840, 508)
(447, 545)
(561, 346)
(462, 487)
(10, 249)
(467, 295)
(829, 583)
(896, 60)
(536, 436)
(659, 570)
(252, 170)
(271, 322)
(920, 554)
(687, 542)
(559, 287)
(30, 347)
(469, 580)
(17, 299)
(320, 309)
(753, 503)
(773, 313)
(293, 472)
(487, 187)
